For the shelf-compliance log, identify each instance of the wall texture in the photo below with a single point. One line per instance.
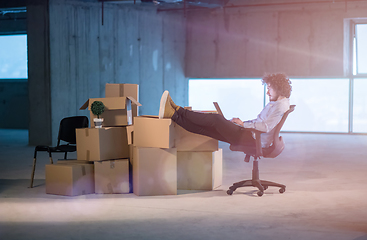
(135, 44)
(73, 55)
(14, 104)
(299, 39)
(39, 73)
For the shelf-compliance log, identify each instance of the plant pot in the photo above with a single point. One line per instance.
(98, 122)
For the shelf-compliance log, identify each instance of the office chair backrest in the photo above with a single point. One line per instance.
(68, 126)
(278, 143)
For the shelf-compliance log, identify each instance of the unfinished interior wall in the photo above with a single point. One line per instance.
(304, 40)
(129, 44)
(38, 73)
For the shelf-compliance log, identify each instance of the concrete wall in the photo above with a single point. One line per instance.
(14, 104)
(73, 55)
(299, 39)
(135, 44)
(39, 73)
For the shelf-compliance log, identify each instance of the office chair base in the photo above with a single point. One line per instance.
(262, 185)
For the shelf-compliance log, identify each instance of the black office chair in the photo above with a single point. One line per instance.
(257, 152)
(66, 134)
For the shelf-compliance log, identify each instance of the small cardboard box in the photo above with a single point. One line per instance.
(154, 171)
(96, 144)
(112, 176)
(69, 179)
(199, 170)
(124, 90)
(187, 141)
(149, 131)
(117, 111)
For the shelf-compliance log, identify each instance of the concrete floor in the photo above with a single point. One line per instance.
(325, 198)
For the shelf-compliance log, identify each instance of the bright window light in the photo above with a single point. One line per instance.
(243, 98)
(13, 57)
(360, 106)
(361, 48)
(321, 105)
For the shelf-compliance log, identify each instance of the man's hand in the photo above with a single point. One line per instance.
(237, 121)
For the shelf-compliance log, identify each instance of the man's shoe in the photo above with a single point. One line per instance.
(165, 109)
(175, 107)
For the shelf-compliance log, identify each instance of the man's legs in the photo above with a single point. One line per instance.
(212, 125)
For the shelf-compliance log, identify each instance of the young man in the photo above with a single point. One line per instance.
(235, 131)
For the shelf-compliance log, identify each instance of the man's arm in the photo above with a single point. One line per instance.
(269, 117)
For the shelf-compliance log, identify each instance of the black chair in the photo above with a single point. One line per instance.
(257, 152)
(66, 134)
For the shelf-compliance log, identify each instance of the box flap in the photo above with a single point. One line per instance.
(148, 116)
(85, 105)
(113, 103)
(134, 101)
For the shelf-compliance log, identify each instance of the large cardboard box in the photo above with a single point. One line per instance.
(199, 170)
(95, 144)
(112, 176)
(187, 141)
(69, 179)
(154, 171)
(149, 131)
(117, 110)
(124, 90)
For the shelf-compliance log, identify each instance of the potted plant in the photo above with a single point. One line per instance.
(97, 108)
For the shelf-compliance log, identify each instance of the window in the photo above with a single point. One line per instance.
(13, 57)
(243, 98)
(322, 103)
(360, 49)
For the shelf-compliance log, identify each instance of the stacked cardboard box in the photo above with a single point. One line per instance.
(199, 161)
(166, 157)
(103, 154)
(70, 179)
(151, 157)
(154, 157)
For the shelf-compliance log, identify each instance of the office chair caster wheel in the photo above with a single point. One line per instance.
(282, 190)
(260, 193)
(265, 187)
(229, 192)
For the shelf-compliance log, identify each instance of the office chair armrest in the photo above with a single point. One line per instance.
(259, 151)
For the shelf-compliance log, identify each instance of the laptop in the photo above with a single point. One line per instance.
(216, 105)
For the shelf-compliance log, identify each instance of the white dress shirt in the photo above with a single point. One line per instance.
(268, 118)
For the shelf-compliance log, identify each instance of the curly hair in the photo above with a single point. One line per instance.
(279, 82)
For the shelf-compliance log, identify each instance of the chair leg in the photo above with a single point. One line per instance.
(50, 157)
(33, 167)
(33, 170)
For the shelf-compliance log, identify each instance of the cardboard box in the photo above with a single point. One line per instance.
(199, 170)
(96, 144)
(112, 176)
(149, 131)
(129, 132)
(124, 90)
(154, 171)
(70, 179)
(117, 111)
(187, 141)
(72, 161)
